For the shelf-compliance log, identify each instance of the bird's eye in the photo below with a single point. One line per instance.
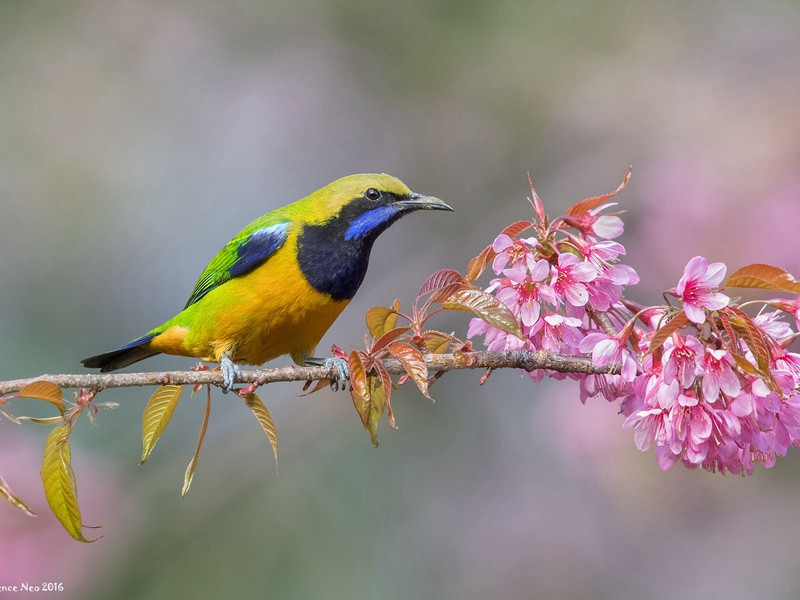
(372, 194)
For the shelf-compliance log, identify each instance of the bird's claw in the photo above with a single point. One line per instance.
(338, 371)
(230, 374)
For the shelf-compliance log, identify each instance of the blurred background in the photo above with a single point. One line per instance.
(137, 137)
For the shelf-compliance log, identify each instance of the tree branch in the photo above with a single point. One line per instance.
(518, 359)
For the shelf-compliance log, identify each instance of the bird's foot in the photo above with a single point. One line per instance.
(230, 373)
(338, 370)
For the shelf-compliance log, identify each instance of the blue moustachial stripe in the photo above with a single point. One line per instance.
(370, 220)
(258, 247)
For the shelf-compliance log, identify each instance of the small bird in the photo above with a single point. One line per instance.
(281, 282)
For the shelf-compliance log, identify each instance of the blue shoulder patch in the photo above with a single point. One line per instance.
(258, 247)
(369, 221)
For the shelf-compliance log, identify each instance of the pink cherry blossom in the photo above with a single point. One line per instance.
(569, 277)
(718, 375)
(556, 330)
(683, 359)
(593, 225)
(697, 288)
(512, 251)
(606, 350)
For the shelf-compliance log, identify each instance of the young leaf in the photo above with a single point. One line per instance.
(44, 390)
(386, 383)
(358, 373)
(764, 277)
(59, 482)
(515, 229)
(42, 420)
(367, 392)
(370, 406)
(478, 264)
(752, 335)
(441, 279)
(261, 413)
(436, 342)
(192, 466)
(388, 338)
(413, 362)
(156, 416)
(380, 319)
(677, 322)
(8, 495)
(487, 307)
(584, 206)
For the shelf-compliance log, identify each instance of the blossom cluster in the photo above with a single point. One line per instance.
(701, 381)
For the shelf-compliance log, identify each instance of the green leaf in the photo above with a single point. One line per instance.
(59, 482)
(8, 495)
(413, 362)
(487, 307)
(156, 416)
(192, 466)
(764, 277)
(261, 413)
(44, 390)
(42, 420)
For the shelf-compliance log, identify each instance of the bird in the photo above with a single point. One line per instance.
(281, 282)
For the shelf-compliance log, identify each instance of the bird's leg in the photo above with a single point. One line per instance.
(230, 372)
(338, 370)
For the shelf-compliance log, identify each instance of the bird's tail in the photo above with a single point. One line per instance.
(123, 356)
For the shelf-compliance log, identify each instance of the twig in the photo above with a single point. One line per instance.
(518, 359)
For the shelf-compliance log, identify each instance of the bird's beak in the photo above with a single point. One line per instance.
(419, 201)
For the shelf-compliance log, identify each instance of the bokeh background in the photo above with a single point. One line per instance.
(137, 137)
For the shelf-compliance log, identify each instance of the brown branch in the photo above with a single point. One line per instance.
(528, 361)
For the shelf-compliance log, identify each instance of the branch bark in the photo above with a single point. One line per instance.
(518, 359)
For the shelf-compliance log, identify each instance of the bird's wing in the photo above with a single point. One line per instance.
(240, 256)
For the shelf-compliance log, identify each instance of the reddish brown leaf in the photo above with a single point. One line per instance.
(515, 229)
(764, 277)
(318, 385)
(413, 362)
(752, 335)
(447, 291)
(44, 390)
(441, 279)
(585, 206)
(380, 319)
(367, 391)
(677, 322)
(358, 373)
(386, 383)
(487, 307)
(726, 325)
(388, 337)
(478, 264)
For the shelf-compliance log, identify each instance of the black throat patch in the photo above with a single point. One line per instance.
(334, 256)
